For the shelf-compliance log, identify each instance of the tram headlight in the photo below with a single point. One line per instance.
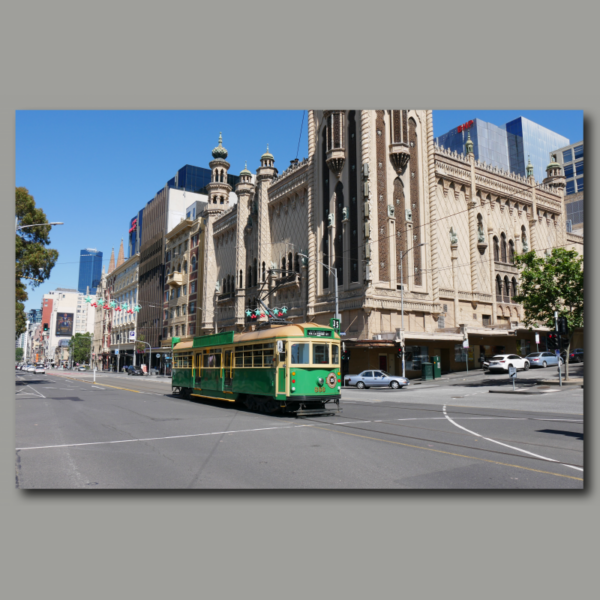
(293, 389)
(320, 381)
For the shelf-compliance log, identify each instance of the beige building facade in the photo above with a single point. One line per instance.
(421, 239)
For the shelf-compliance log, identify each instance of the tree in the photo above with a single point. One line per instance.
(18, 354)
(552, 283)
(80, 346)
(34, 260)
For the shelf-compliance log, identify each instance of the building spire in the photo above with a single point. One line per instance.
(121, 257)
(111, 264)
(469, 144)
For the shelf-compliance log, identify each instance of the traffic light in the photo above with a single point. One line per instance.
(399, 352)
(552, 341)
(45, 326)
(562, 326)
(346, 355)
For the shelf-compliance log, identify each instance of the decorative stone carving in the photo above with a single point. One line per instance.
(480, 234)
(336, 157)
(399, 157)
(453, 237)
(408, 214)
(345, 214)
(330, 220)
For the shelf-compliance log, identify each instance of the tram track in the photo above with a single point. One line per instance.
(442, 443)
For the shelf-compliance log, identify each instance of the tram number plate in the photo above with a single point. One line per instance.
(319, 389)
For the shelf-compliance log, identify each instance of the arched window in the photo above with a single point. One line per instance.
(506, 287)
(255, 280)
(222, 200)
(511, 251)
(498, 285)
(185, 267)
(224, 289)
(503, 247)
(179, 268)
(297, 264)
(514, 287)
(290, 261)
(524, 243)
(283, 263)
(264, 272)
(496, 249)
(194, 264)
(241, 279)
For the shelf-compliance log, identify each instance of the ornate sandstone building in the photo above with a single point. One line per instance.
(421, 240)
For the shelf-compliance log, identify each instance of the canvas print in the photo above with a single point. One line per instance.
(319, 299)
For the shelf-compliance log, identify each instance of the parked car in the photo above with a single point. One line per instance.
(543, 359)
(575, 355)
(368, 379)
(39, 370)
(82, 368)
(501, 362)
(31, 369)
(135, 371)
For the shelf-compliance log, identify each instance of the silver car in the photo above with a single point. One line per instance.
(543, 359)
(368, 379)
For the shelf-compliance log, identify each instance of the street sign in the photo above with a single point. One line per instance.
(158, 356)
(512, 372)
(465, 343)
(537, 338)
(116, 352)
(132, 335)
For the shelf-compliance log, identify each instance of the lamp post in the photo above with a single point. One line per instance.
(330, 269)
(402, 255)
(19, 227)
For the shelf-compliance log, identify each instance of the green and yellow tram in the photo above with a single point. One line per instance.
(288, 368)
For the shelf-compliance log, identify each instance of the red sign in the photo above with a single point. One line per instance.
(133, 225)
(467, 125)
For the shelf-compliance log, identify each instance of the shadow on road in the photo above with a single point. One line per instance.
(573, 434)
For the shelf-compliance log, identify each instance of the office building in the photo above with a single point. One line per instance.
(35, 315)
(570, 158)
(90, 270)
(507, 147)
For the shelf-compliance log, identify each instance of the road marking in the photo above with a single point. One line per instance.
(507, 446)
(495, 462)
(98, 387)
(105, 385)
(38, 393)
(171, 437)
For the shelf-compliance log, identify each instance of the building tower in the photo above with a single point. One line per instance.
(245, 190)
(111, 264)
(121, 256)
(264, 177)
(218, 201)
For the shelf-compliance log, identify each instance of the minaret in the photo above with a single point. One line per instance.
(245, 193)
(264, 176)
(533, 219)
(472, 206)
(556, 180)
(218, 201)
(121, 257)
(111, 264)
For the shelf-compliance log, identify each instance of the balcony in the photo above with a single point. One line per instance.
(175, 279)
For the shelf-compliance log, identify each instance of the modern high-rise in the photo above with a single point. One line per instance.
(508, 147)
(90, 270)
(35, 315)
(571, 160)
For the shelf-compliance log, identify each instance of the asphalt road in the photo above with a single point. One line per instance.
(131, 433)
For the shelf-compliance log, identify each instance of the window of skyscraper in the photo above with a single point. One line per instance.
(579, 151)
(569, 170)
(580, 184)
(571, 187)
(579, 167)
(567, 156)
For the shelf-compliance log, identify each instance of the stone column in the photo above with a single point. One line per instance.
(312, 253)
(244, 193)
(492, 273)
(454, 251)
(472, 206)
(433, 213)
(534, 217)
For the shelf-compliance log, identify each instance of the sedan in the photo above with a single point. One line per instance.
(30, 369)
(501, 362)
(135, 371)
(574, 355)
(368, 379)
(39, 370)
(543, 359)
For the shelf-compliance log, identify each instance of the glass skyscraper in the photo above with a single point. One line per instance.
(507, 147)
(90, 270)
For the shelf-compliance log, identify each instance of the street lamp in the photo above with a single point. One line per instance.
(402, 255)
(19, 227)
(330, 269)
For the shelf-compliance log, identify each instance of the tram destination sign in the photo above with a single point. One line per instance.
(318, 333)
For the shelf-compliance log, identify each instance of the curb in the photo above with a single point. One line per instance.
(522, 392)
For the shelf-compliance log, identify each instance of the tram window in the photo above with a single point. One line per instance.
(213, 359)
(320, 354)
(300, 354)
(257, 356)
(335, 354)
(268, 358)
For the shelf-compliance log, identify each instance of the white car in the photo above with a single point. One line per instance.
(39, 370)
(31, 369)
(501, 362)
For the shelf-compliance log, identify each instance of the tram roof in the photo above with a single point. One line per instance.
(291, 330)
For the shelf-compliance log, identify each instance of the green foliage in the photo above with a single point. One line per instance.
(80, 347)
(18, 354)
(551, 283)
(140, 348)
(34, 260)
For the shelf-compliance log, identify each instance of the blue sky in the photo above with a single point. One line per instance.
(94, 170)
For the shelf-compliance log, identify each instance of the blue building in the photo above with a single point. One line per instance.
(508, 146)
(35, 315)
(90, 270)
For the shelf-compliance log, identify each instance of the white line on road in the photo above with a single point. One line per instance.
(171, 437)
(98, 387)
(38, 393)
(506, 445)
